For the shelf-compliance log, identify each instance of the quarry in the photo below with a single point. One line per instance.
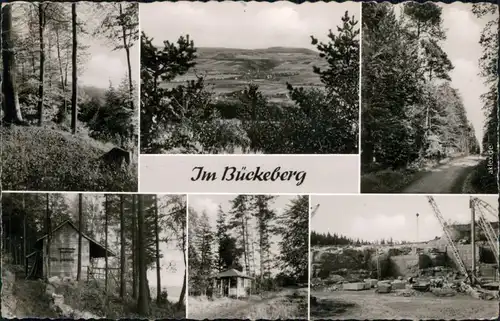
(454, 275)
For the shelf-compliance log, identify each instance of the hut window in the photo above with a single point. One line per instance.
(66, 254)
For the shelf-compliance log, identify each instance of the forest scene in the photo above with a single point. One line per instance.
(69, 98)
(429, 98)
(93, 256)
(248, 257)
(206, 94)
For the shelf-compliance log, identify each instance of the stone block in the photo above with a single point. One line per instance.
(398, 285)
(371, 282)
(383, 283)
(358, 286)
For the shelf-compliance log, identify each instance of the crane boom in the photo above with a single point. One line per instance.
(487, 228)
(314, 210)
(454, 249)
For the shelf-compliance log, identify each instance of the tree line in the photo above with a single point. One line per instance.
(43, 54)
(140, 224)
(191, 119)
(327, 239)
(245, 238)
(488, 64)
(410, 111)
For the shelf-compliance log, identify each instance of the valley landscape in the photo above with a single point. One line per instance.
(229, 70)
(255, 89)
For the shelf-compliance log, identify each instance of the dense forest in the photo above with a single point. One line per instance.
(253, 238)
(191, 118)
(134, 227)
(411, 115)
(56, 129)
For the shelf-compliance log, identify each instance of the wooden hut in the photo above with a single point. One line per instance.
(232, 283)
(64, 253)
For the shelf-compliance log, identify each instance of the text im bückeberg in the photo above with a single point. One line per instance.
(233, 174)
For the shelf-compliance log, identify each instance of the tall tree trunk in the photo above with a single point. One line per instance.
(129, 65)
(143, 300)
(157, 234)
(122, 249)
(10, 99)
(80, 227)
(48, 227)
(106, 210)
(134, 249)
(41, 27)
(49, 54)
(24, 236)
(64, 109)
(74, 84)
(180, 303)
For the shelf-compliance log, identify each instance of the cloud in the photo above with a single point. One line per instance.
(248, 25)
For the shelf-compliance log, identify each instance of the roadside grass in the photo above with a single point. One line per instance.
(480, 181)
(44, 159)
(388, 180)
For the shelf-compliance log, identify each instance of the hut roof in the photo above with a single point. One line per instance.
(232, 273)
(96, 249)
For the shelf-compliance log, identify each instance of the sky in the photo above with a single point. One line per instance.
(463, 31)
(210, 204)
(464, 51)
(243, 25)
(105, 65)
(373, 217)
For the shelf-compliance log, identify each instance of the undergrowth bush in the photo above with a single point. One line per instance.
(37, 158)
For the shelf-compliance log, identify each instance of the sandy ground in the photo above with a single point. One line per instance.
(370, 305)
(279, 305)
(446, 178)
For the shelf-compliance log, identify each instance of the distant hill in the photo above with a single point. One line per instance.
(231, 69)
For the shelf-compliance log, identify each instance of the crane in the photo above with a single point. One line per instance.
(485, 225)
(314, 210)
(444, 226)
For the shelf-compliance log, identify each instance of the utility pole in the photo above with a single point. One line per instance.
(473, 237)
(417, 225)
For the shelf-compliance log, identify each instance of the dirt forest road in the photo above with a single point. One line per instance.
(361, 306)
(445, 179)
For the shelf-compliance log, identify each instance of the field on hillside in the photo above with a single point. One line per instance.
(287, 304)
(227, 70)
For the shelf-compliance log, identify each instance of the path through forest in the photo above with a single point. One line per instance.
(444, 179)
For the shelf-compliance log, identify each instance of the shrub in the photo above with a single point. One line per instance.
(37, 158)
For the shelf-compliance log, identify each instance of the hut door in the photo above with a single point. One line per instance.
(225, 287)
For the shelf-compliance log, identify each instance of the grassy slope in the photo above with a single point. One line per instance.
(222, 65)
(287, 304)
(35, 158)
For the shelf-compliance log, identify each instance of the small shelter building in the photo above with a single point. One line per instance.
(232, 283)
(64, 253)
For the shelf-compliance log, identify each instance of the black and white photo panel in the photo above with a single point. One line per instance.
(429, 98)
(248, 257)
(89, 256)
(70, 96)
(234, 77)
(404, 257)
